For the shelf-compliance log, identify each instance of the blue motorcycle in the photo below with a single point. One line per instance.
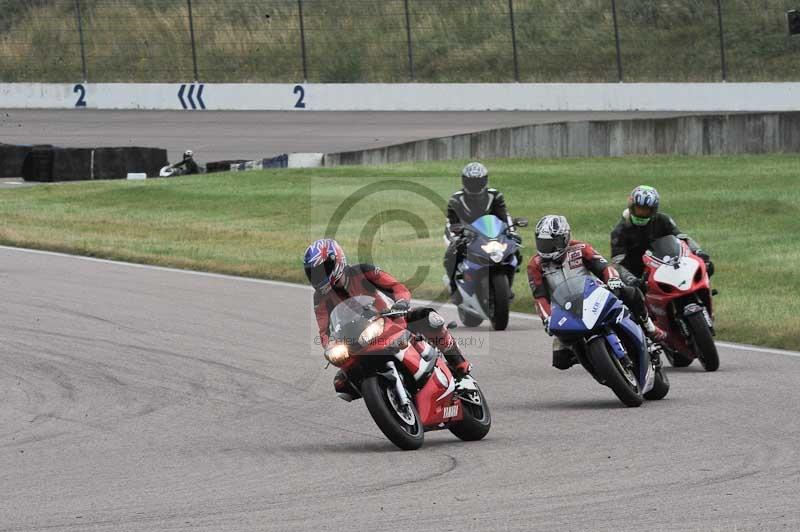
(485, 276)
(607, 342)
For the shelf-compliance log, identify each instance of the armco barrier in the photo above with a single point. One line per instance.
(695, 97)
(690, 135)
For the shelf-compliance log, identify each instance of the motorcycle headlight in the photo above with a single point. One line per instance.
(496, 256)
(372, 331)
(337, 355)
(494, 247)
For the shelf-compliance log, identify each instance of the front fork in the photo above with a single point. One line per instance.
(393, 375)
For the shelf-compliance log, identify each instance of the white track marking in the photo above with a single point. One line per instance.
(515, 315)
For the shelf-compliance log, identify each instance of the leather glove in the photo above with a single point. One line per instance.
(401, 304)
(615, 283)
(703, 255)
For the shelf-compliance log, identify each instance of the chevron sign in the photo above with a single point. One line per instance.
(190, 96)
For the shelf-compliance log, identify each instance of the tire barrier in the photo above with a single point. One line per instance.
(45, 163)
(223, 166)
(280, 161)
(12, 158)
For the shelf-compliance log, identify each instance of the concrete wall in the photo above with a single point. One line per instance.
(691, 135)
(197, 97)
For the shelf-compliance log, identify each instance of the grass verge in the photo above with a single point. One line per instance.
(745, 210)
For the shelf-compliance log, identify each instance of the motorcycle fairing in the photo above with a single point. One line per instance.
(436, 398)
(680, 274)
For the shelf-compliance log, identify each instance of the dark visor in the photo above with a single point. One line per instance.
(551, 245)
(319, 275)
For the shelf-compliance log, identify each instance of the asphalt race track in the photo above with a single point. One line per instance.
(142, 399)
(220, 135)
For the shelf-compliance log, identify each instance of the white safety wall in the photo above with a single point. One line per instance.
(197, 97)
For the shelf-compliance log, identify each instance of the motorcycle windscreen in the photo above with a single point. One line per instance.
(349, 319)
(666, 249)
(489, 226)
(585, 298)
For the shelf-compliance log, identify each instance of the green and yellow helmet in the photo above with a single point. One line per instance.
(643, 204)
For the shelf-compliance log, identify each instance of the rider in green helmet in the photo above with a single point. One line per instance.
(640, 225)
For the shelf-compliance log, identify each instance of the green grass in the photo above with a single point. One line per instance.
(744, 210)
(365, 40)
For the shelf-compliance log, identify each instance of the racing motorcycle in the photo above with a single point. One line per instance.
(485, 276)
(678, 296)
(607, 342)
(405, 382)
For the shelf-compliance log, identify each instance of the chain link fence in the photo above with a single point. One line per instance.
(340, 41)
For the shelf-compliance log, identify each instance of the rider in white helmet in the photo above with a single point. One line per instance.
(559, 258)
(188, 162)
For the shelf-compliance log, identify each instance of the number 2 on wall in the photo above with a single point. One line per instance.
(79, 88)
(301, 104)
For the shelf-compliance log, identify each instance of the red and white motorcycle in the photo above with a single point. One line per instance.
(678, 295)
(405, 382)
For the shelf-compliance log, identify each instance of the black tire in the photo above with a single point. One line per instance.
(677, 360)
(476, 422)
(407, 437)
(660, 386)
(704, 341)
(501, 293)
(610, 373)
(469, 319)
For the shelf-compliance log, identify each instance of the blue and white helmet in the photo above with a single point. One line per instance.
(474, 178)
(553, 235)
(643, 204)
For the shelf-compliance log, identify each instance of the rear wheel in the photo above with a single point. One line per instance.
(677, 360)
(501, 293)
(477, 419)
(399, 423)
(468, 319)
(612, 372)
(660, 386)
(704, 341)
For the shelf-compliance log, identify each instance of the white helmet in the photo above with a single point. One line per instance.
(552, 236)
(188, 154)
(474, 178)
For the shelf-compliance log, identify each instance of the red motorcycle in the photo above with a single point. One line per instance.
(678, 296)
(405, 381)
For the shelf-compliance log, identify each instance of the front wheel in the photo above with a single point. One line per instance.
(704, 341)
(477, 420)
(611, 372)
(678, 360)
(501, 292)
(399, 423)
(660, 386)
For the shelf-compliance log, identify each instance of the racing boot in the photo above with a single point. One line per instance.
(653, 332)
(459, 365)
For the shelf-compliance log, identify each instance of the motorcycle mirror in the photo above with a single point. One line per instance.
(521, 222)
(452, 325)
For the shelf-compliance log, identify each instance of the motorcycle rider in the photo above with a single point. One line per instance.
(464, 207)
(559, 258)
(640, 225)
(189, 162)
(334, 281)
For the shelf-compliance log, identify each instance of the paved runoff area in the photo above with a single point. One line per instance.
(221, 135)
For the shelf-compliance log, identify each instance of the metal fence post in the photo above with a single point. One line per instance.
(83, 46)
(303, 41)
(616, 40)
(722, 42)
(513, 39)
(191, 32)
(410, 46)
